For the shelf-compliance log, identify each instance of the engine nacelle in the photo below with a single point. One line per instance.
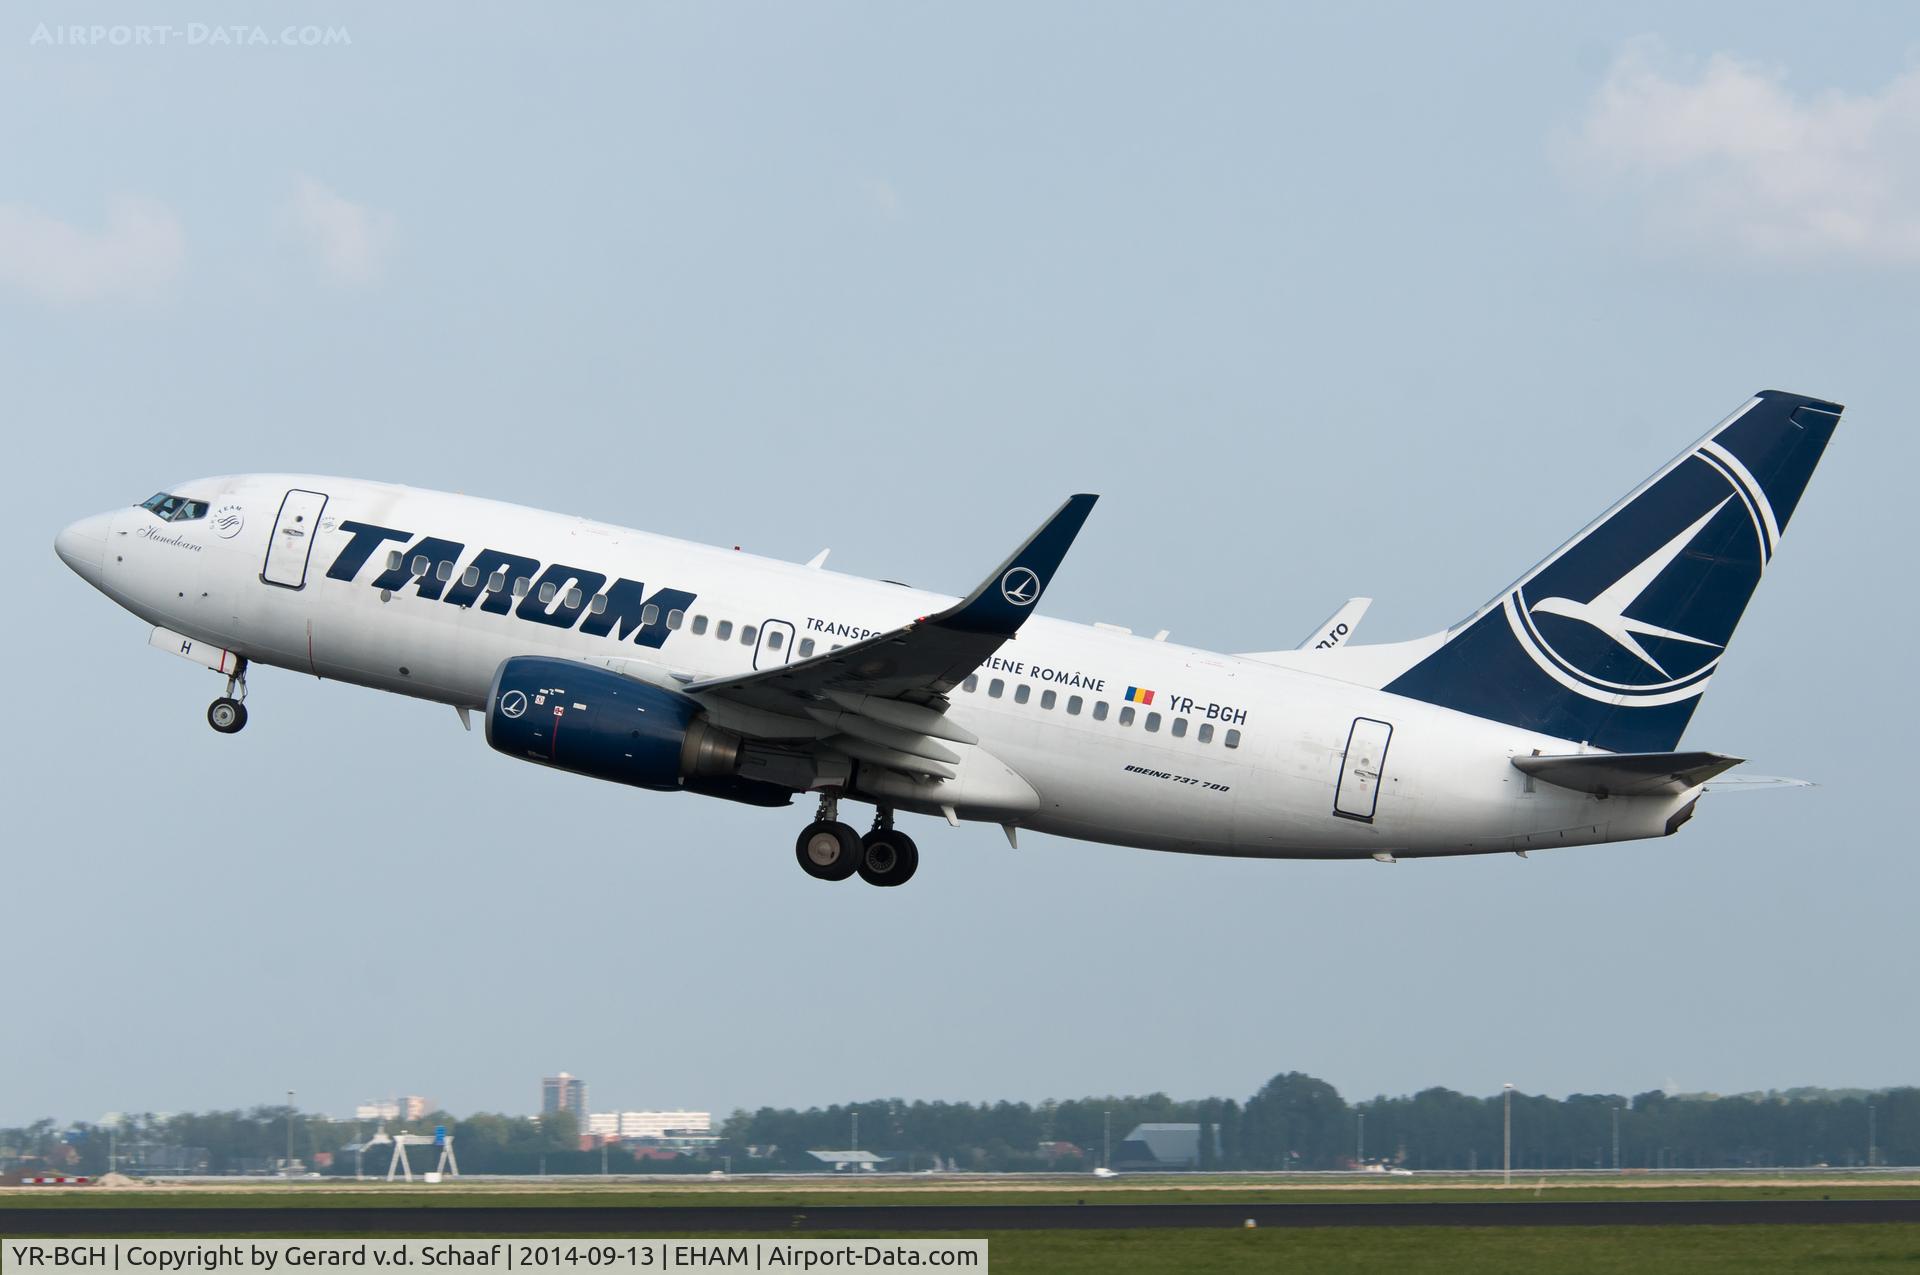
(592, 721)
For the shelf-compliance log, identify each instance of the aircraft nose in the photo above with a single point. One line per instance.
(83, 546)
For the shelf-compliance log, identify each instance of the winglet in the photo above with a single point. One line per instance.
(1005, 599)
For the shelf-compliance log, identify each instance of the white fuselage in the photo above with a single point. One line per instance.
(1442, 784)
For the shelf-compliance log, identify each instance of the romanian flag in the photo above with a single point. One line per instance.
(1135, 695)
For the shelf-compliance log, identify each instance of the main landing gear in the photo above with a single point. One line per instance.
(831, 851)
(228, 714)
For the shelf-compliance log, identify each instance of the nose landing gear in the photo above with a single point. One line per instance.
(228, 714)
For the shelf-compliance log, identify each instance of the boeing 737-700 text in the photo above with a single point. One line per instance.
(1549, 717)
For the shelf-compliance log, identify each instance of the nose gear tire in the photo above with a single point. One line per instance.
(227, 716)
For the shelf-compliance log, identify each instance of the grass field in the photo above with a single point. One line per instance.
(1805, 1250)
(792, 1193)
(1490, 1250)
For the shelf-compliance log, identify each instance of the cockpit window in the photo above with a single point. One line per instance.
(175, 508)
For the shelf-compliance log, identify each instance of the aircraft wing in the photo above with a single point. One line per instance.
(896, 682)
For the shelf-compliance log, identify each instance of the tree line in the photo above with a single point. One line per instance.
(1295, 1121)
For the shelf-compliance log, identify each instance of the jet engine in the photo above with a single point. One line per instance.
(592, 721)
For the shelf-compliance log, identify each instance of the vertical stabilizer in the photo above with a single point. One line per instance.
(1613, 639)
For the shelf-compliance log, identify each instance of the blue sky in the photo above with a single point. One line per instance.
(1324, 301)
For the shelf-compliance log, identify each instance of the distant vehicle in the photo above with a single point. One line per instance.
(1548, 717)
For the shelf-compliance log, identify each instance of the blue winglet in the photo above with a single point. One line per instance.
(1005, 599)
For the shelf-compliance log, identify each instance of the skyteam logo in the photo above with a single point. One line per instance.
(1639, 610)
(228, 520)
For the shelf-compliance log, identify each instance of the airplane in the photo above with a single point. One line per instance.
(1551, 716)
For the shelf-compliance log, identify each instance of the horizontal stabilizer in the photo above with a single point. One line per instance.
(1627, 774)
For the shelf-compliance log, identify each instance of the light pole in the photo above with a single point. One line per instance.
(1616, 1137)
(286, 1169)
(1870, 1156)
(1106, 1140)
(1506, 1136)
(856, 1129)
(1360, 1142)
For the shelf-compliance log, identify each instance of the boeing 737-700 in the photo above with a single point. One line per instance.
(1549, 717)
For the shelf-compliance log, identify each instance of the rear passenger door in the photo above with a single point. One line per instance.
(1358, 793)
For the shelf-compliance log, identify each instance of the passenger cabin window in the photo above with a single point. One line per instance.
(599, 604)
(972, 683)
(520, 586)
(747, 634)
(548, 592)
(420, 567)
(444, 571)
(1179, 727)
(1233, 739)
(699, 625)
(470, 577)
(806, 650)
(1021, 692)
(497, 582)
(174, 508)
(394, 559)
(1206, 732)
(1153, 721)
(1073, 705)
(723, 630)
(1126, 715)
(996, 688)
(649, 615)
(775, 639)
(676, 618)
(1100, 710)
(1048, 699)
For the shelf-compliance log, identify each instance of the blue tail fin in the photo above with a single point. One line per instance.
(1612, 640)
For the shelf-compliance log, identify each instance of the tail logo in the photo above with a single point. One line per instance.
(1607, 611)
(1698, 579)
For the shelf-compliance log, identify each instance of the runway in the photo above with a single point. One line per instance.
(89, 1219)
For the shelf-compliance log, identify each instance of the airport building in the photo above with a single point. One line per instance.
(1164, 1146)
(648, 1124)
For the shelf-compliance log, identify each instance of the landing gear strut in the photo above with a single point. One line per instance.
(888, 856)
(228, 714)
(827, 848)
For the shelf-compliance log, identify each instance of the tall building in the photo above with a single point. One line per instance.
(564, 1093)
